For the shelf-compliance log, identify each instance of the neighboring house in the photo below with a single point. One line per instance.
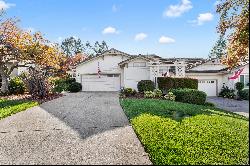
(114, 69)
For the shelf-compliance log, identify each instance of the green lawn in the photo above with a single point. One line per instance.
(9, 107)
(179, 133)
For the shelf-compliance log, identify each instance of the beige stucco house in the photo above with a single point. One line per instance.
(118, 69)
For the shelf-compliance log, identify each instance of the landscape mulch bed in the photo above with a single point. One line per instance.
(29, 97)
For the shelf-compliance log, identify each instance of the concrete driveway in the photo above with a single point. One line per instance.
(236, 106)
(82, 128)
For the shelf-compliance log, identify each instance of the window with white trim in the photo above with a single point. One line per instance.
(245, 79)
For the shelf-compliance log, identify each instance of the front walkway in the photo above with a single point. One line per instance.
(236, 106)
(81, 128)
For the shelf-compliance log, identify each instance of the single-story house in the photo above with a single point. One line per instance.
(113, 69)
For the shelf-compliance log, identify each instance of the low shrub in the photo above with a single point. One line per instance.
(75, 87)
(166, 83)
(244, 94)
(16, 86)
(191, 96)
(36, 83)
(149, 94)
(145, 85)
(60, 85)
(157, 93)
(70, 80)
(239, 86)
(170, 96)
(127, 92)
(63, 84)
(226, 92)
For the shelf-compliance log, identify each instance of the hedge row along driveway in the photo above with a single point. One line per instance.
(180, 133)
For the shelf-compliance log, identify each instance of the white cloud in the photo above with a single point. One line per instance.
(4, 5)
(140, 36)
(202, 18)
(178, 10)
(110, 30)
(166, 40)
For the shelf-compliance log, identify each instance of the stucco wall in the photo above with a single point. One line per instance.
(108, 65)
(132, 75)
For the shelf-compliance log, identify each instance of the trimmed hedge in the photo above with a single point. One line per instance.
(145, 85)
(244, 94)
(166, 83)
(75, 87)
(239, 86)
(191, 96)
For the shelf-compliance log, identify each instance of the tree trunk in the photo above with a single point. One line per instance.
(5, 82)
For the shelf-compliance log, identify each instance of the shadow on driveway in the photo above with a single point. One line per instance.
(80, 128)
(88, 112)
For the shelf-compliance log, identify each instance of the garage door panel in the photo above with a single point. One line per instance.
(208, 86)
(110, 82)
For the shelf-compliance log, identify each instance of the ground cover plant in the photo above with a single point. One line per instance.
(9, 107)
(180, 133)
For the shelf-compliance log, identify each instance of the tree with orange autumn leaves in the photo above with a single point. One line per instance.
(20, 48)
(234, 26)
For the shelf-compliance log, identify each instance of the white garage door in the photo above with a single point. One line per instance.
(107, 82)
(208, 86)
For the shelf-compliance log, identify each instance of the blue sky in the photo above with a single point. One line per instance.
(168, 28)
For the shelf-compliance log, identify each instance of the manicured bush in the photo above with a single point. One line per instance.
(244, 94)
(75, 87)
(226, 92)
(145, 85)
(239, 86)
(170, 96)
(127, 92)
(166, 83)
(70, 80)
(60, 85)
(191, 96)
(16, 86)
